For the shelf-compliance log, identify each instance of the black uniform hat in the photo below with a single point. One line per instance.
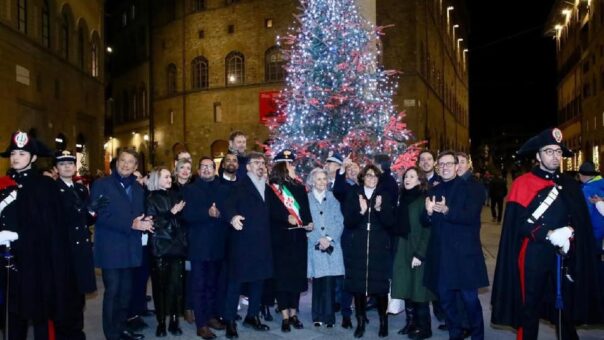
(588, 168)
(22, 141)
(64, 156)
(546, 137)
(286, 155)
(335, 157)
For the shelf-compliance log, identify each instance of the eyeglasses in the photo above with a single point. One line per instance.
(446, 165)
(206, 166)
(258, 162)
(550, 152)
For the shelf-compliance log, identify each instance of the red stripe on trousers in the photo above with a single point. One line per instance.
(51, 330)
(521, 260)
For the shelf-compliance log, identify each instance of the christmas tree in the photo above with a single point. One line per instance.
(338, 98)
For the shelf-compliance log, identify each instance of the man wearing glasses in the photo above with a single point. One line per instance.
(249, 244)
(546, 250)
(455, 266)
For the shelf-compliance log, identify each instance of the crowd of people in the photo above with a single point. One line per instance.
(254, 228)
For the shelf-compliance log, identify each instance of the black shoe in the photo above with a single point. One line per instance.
(231, 330)
(266, 313)
(420, 335)
(360, 330)
(173, 327)
(383, 331)
(285, 326)
(443, 327)
(255, 323)
(160, 331)
(136, 323)
(408, 329)
(294, 321)
(127, 335)
(329, 325)
(317, 324)
(238, 317)
(346, 322)
(466, 333)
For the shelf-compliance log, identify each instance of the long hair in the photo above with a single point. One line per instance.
(279, 174)
(154, 176)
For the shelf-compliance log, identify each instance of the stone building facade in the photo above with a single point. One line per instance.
(51, 74)
(578, 27)
(214, 67)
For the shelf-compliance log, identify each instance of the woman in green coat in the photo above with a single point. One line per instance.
(408, 272)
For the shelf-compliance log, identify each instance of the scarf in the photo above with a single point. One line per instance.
(125, 181)
(403, 226)
(259, 183)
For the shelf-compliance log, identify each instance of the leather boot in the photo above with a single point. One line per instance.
(424, 324)
(174, 327)
(410, 318)
(360, 303)
(231, 330)
(160, 331)
(382, 307)
(266, 313)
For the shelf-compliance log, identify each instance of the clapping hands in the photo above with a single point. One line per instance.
(432, 205)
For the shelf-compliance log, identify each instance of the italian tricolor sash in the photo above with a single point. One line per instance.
(288, 200)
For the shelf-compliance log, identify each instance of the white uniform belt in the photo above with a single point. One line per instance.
(547, 202)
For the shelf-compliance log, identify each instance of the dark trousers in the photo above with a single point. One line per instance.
(454, 317)
(287, 300)
(537, 276)
(116, 300)
(343, 297)
(223, 280)
(18, 328)
(188, 290)
(423, 320)
(168, 286)
(73, 326)
(324, 299)
(232, 299)
(497, 208)
(438, 311)
(140, 277)
(204, 285)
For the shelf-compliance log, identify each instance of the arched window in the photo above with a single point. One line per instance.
(94, 59)
(273, 64)
(235, 69)
(65, 35)
(46, 24)
(171, 78)
(199, 67)
(22, 16)
(81, 47)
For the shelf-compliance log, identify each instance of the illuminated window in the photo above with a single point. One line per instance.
(235, 68)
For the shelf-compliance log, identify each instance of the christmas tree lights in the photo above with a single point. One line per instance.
(338, 98)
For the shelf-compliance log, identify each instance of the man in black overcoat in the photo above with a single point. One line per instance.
(546, 217)
(40, 286)
(74, 197)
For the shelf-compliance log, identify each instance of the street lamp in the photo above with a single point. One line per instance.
(449, 9)
(459, 41)
(454, 27)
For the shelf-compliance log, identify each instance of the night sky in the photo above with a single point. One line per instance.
(512, 70)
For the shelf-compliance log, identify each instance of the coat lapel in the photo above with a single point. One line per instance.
(252, 188)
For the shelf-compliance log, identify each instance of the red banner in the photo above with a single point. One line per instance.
(269, 109)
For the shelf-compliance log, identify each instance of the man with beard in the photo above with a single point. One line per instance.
(229, 166)
(237, 146)
(249, 244)
(206, 243)
(41, 285)
(455, 264)
(74, 197)
(425, 162)
(546, 249)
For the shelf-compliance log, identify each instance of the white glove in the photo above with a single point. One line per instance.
(566, 246)
(415, 262)
(6, 237)
(559, 236)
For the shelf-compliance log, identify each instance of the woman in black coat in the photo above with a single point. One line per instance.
(368, 214)
(288, 233)
(168, 249)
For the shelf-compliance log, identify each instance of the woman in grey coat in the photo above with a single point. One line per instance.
(325, 260)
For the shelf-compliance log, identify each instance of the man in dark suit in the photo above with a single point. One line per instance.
(74, 197)
(454, 261)
(118, 247)
(206, 239)
(249, 244)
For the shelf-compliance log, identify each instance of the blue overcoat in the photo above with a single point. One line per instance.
(116, 244)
